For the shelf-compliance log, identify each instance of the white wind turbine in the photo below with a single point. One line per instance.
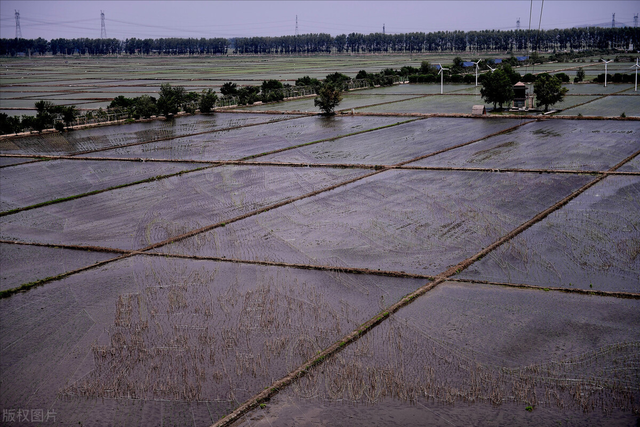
(441, 72)
(477, 70)
(636, 66)
(492, 69)
(605, 70)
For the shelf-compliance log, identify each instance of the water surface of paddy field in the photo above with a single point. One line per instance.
(409, 221)
(592, 243)
(22, 185)
(333, 278)
(550, 144)
(480, 354)
(18, 266)
(114, 136)
(239, 143)
(395, 144)
(612, 106)
(144, 214)
(226, 331)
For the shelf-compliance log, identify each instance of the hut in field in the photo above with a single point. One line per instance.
(478, 110)
(521, 100)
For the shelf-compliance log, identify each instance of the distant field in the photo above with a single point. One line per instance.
(92, 82)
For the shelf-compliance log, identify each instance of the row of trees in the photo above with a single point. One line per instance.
(441, 41)
(497, 88)
(48, 116)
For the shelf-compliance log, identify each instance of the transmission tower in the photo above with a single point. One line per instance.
(103, 28)
(518, 24)
(18, 30)
(613, 21)
(296, 25)
(635, 21)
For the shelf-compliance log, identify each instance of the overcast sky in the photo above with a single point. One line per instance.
(154, 19)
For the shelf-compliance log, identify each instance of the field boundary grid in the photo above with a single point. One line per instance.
(242, 162)
(614, 294)
(24, 287)
(336, 347)
(211, 165)
(377, 168)
(379, 318)
(214, 163)
(78, 155)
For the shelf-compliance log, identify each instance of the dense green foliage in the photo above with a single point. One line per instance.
(497, 88)
(171, 98)
(548, 90)
(208, 100)
(329, 96)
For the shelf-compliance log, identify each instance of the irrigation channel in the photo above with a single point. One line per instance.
(257, 257)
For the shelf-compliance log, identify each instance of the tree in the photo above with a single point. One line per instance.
(497, 88)
(189, 102)
(580, 75)
(45, 116)
(329, 96)
(9, 124)
(548, 90)
(208, 100)
(272, 91)
(514, 76)
(248, 95)
(145, 106)
(338, 80)
(229, 89)
(170, 99)
(69, 114)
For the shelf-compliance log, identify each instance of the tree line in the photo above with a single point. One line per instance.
(416, 42)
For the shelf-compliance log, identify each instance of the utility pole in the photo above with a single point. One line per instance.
(605, 70)
(18, 30)
(103, 28)
(383, 29)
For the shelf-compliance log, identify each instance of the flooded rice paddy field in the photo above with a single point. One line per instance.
(355, 270)
(101, 138)
(472, 354)
(242, 142)
(585, 145)
(393, 145)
